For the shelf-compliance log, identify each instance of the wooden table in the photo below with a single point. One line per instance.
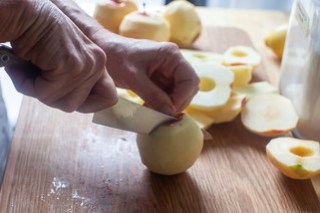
(62, 162)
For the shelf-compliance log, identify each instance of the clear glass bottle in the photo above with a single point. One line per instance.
(300, 67)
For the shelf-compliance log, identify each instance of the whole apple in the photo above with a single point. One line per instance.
(145, 25)
(171, 148)
(110, 13)
(185, 23)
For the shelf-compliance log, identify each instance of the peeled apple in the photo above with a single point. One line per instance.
(171, 148)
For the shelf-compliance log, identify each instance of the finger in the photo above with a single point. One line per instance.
(21, 82)
(154, 96)
(102, 95)
(186, 86)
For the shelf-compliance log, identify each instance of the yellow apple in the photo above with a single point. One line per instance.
(241, 55)
(171, 148)
(255, 88)
(268, 114)
(111, 12)
(185, 23)
(275, 40)
(143, 25)
(295, 158)
(201, 118)
(229, 111)
(215, 86)
(242, 74)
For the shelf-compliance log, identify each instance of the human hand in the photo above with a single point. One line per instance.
(73, 74)
(156, 71)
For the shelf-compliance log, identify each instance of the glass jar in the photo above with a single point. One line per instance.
(300, 67)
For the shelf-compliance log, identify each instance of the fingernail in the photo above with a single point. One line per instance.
(167, 110)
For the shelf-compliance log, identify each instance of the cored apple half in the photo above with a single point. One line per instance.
(295, 158)
(268, 114)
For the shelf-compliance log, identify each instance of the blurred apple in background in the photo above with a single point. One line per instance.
(241, 55)
(185, 23)
(145, 25)
(275, 40)
(111, 12)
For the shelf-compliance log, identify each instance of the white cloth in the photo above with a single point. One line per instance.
(5, 136)
(5, 132)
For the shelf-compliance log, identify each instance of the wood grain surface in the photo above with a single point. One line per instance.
(63, 162)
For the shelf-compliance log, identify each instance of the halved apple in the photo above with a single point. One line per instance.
(215, 86)
(242, 74)
(195, 56)
(171, 148)
(255, 88)
(295, 158)
(241, 55)
(269, 114)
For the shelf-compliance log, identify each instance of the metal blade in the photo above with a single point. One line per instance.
(130, 116)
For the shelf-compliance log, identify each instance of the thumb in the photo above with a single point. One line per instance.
(154, 97)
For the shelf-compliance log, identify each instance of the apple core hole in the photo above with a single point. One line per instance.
(301, 151)
(206, 84)
(239, 53)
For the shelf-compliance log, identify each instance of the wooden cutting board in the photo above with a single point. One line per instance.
(63, 163)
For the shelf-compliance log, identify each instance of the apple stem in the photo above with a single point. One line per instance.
(144, 5)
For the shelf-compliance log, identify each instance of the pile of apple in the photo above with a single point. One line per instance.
(226, 91)
(178, 23)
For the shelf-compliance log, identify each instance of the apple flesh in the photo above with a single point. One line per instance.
(143, 25)
(295, 158)
(275, 40)
(229, 111)
(269, 114)
(111, 12)
(129, 95)
(215, 86)
(241, 55)
(185, 23)
(201, 118)
(242, 75)
(194, 56)
(255, 88)
(171, 148)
